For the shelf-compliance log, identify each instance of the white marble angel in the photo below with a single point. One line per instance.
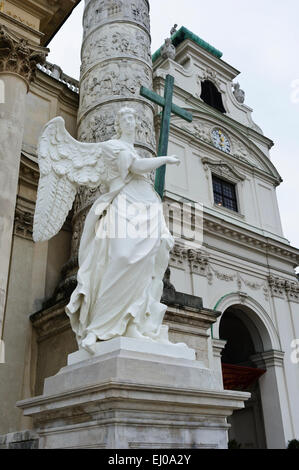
(120, 277)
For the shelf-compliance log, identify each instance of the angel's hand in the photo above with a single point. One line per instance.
(173, 160)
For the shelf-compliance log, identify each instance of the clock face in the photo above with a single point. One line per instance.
(221, 141)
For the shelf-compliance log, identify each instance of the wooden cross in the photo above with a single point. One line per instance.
(168, 108)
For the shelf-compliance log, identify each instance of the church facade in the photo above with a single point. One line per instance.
(235, 257)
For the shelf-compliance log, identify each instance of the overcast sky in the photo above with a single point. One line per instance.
(258, 37)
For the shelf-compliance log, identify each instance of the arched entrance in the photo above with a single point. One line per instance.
(243, 342)
(259, 336)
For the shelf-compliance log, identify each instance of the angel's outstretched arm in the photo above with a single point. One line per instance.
(145, 165)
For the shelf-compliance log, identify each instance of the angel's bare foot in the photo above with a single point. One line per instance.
(89, 341)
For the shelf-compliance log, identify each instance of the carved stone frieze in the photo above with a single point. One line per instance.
(136, 11)
(178, 256)
(23, 226)
(200, 130)
(253, 285)
(198, 262)
(116, 41)
(292, 291)
(283, 288)
(116, 62)
(18, 56)
(113, 80)
(98, 126)
(277, 286)
(221, 276)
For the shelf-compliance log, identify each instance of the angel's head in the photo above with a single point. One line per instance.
(125, 122)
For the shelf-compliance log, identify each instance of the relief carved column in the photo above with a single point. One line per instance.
(116, 62)
(18, 60)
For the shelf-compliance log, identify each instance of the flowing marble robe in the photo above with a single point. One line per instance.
(120, 279)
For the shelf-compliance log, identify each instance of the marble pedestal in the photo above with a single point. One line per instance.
(133, 395)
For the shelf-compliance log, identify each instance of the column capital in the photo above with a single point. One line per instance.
(268, 359)
(18, 55)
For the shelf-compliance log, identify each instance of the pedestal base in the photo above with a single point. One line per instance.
(125, 398)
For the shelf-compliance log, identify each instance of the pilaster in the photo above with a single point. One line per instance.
(18, 60)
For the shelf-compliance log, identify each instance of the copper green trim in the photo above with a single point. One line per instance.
(181, 35)
(220, 300)
(168, 108)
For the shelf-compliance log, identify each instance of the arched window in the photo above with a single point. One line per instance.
(211, 95)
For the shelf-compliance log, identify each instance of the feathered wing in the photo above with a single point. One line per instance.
(64, 165)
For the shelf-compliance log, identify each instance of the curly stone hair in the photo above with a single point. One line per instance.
(120, 114)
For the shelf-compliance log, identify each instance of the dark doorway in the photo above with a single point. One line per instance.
(240, 373)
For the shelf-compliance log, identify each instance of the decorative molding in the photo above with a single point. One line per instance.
(292, 291)
(107, 11)
(29, 171)
(223, 276)
(222, 169)
(23, 226)
(178, 256)
(250, 239)
(199, 264)
(57, 73)
(203, 131)
(282, 288)
(253, 285)
(18, 56)
(269, 359)
(211, 75)
(200, 130)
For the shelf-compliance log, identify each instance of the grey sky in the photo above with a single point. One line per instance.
(258, 37)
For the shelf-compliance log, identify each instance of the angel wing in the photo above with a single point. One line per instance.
(64, 165)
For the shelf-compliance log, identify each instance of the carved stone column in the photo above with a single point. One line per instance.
(116, 61)
(18, 61)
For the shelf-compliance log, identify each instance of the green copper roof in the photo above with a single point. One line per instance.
(184, 33)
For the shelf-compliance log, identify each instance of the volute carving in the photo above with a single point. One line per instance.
(18, 56)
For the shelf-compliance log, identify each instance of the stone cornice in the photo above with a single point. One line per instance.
(54, 71)
(29, 171)
(269, 359)
(199, 262)
(223, 169)
(248, 238)
(18, 56)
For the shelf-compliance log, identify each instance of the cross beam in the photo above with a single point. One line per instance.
(168, 108)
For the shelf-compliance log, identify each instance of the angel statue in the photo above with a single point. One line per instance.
(120, 276)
